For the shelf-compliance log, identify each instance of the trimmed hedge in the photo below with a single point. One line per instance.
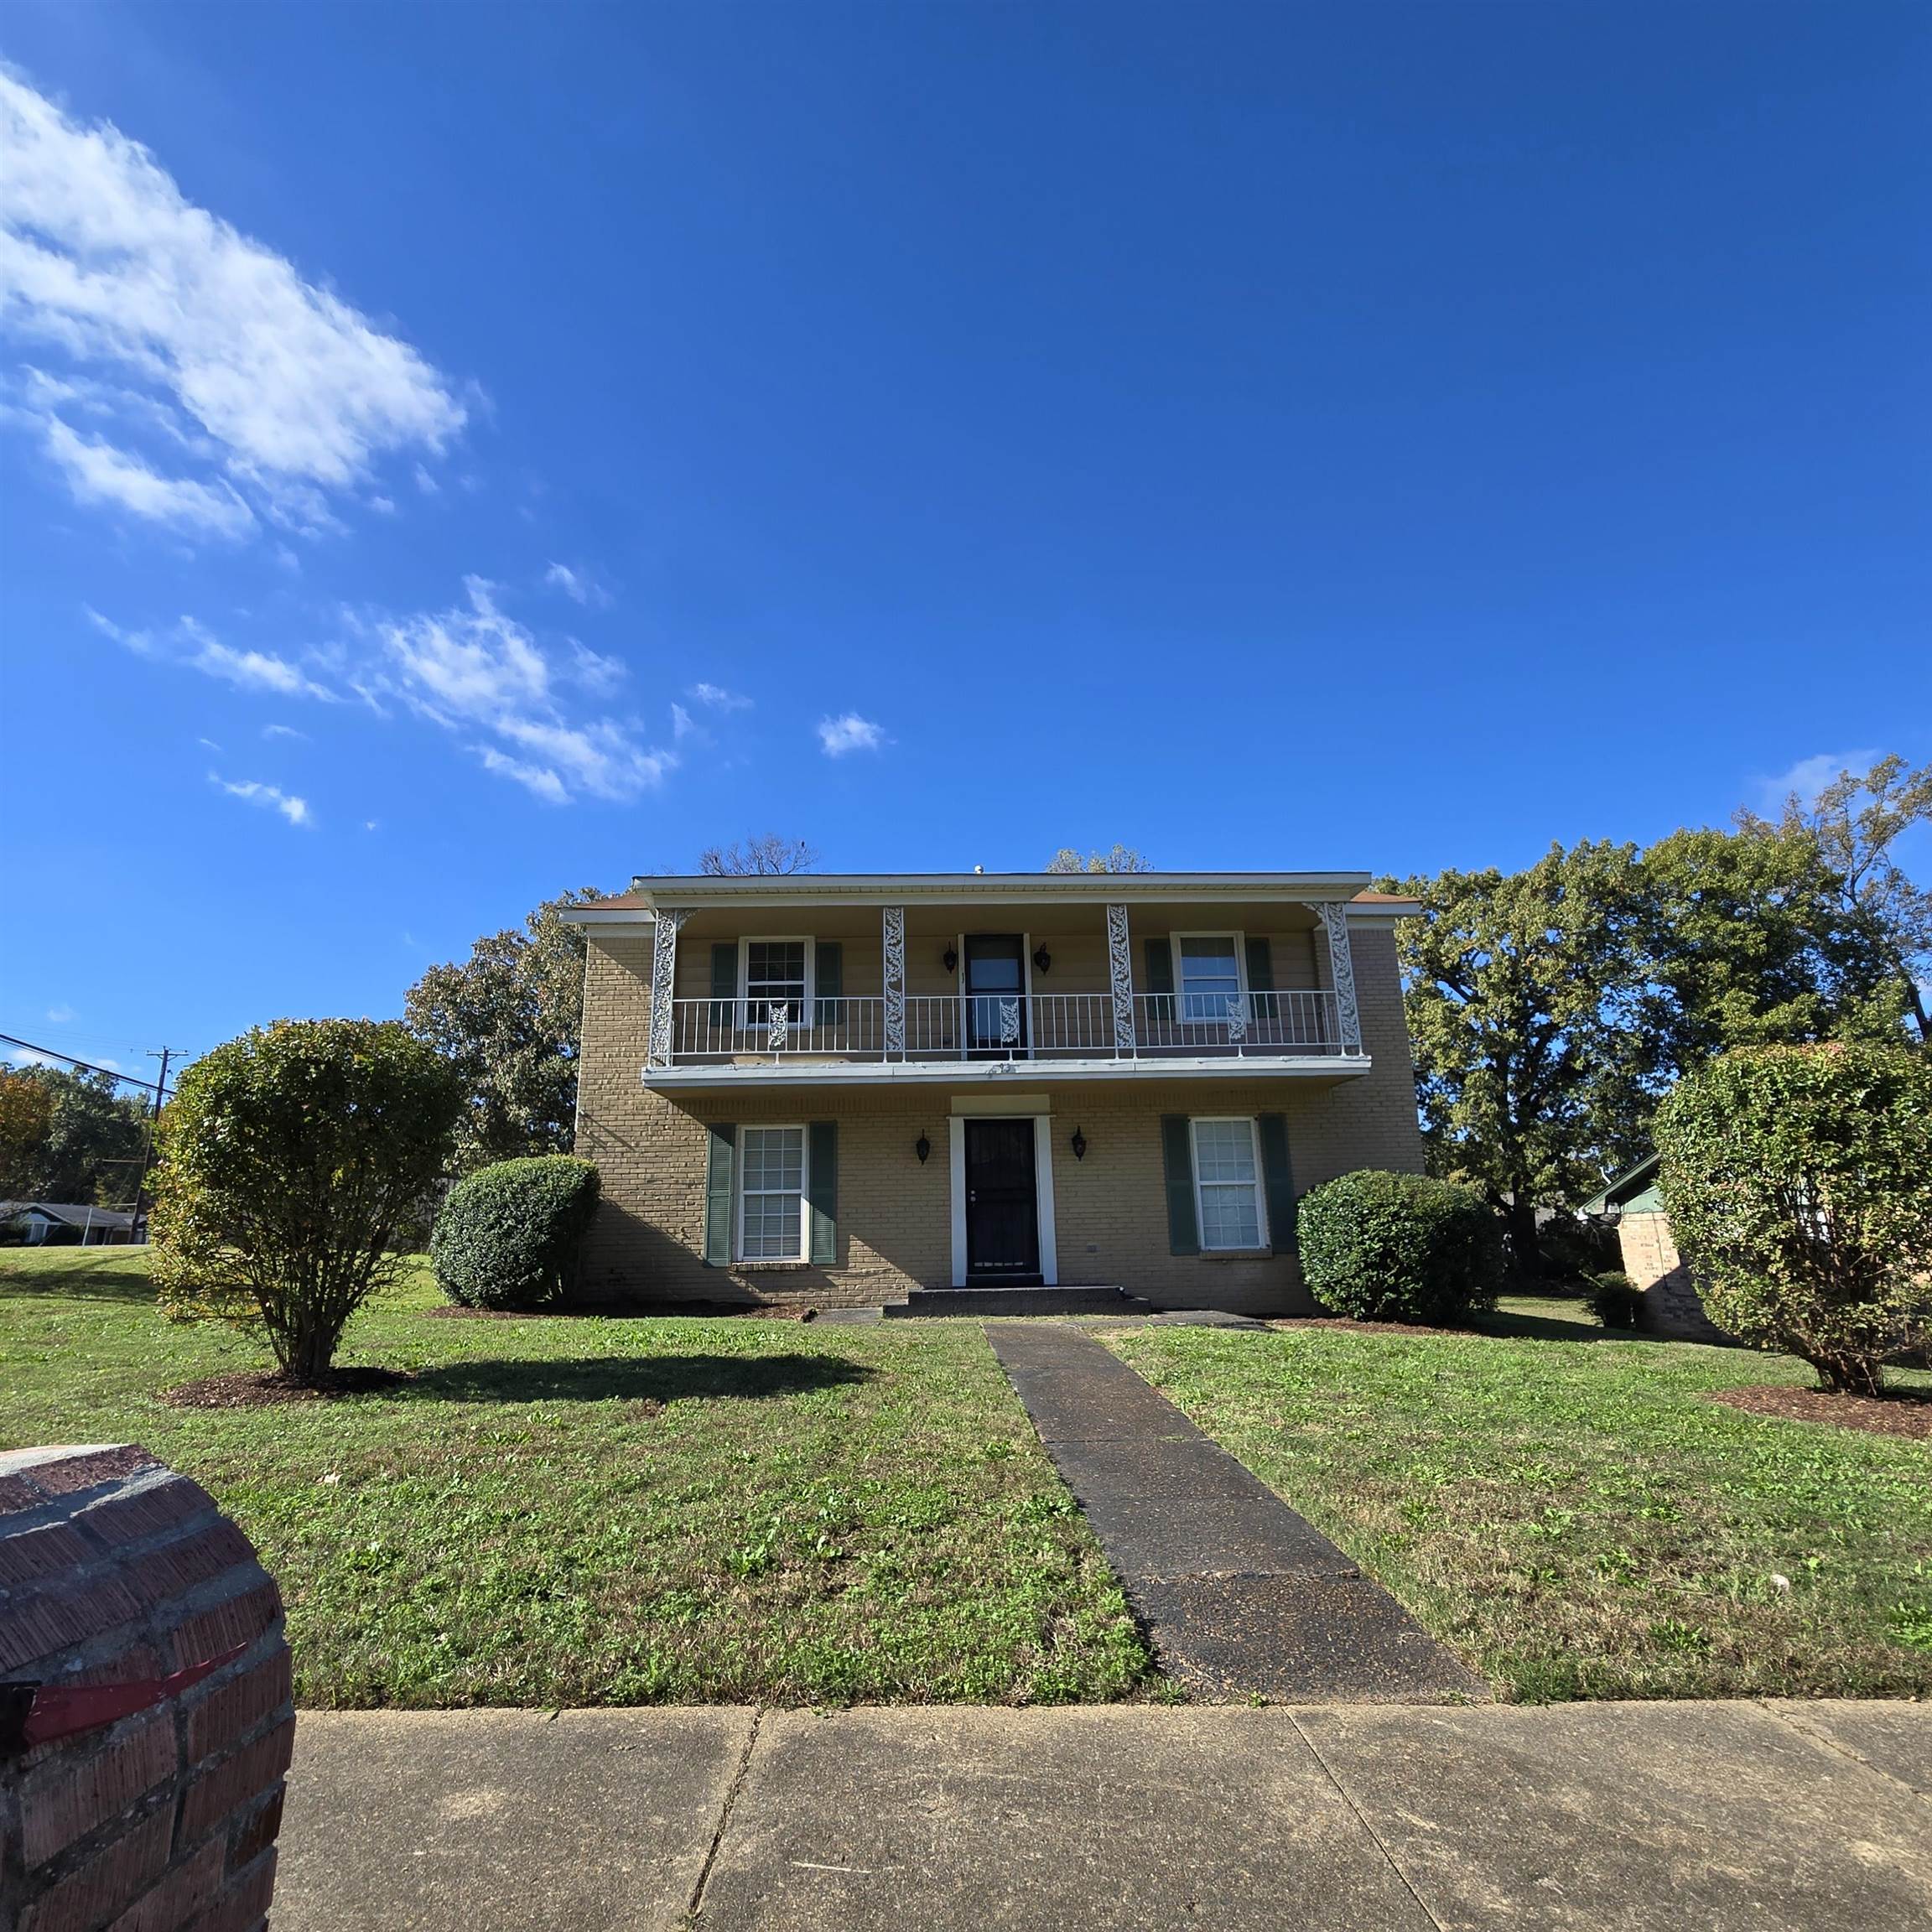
(507, 1236)
(1399, 1248)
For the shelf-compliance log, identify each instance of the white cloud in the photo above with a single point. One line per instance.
(849, 732)
(718, 698)
(99, 473)
(61, 1015)
(1809, 777)
(190, 646)
(579, 585)
(283, 731)
(682, 723)
(476, 666)
(279, 387)
(270, 797)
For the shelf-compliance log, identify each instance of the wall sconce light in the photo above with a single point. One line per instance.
(923, 1147)
(950, 958)
(1043, 960)
(1079, 1144)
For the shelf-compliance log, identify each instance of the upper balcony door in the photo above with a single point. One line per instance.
(996, 995)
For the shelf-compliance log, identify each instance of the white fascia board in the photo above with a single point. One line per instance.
(1066, 888)
(940, 1072)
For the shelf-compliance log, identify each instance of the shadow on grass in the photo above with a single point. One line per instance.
(634, 1378)
(1550, 1328)
(84, 1285)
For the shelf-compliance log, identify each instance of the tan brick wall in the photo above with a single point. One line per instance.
(1671, 1303)
(894, 1216)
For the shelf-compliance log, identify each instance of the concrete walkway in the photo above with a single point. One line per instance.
(1240, 1596)
(1572, 1818)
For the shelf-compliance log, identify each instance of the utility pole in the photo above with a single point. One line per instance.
(137, 1227)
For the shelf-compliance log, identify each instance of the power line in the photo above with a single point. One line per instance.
(87, 1066)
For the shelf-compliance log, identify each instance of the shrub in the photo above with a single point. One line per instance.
(508, 1235)
(1617, 1304)
(1399, 1248)
(288, 1158)
(1799, 1180)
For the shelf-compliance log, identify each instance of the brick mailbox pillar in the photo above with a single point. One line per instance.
(145, 1721)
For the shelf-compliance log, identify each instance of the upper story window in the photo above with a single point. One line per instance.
(1208, 968)
(775, 975)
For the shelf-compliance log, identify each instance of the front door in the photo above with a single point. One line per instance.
(995, 995)
(1002, 1205)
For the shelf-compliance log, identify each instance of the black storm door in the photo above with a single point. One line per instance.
(995, 995)
(1002, 1211)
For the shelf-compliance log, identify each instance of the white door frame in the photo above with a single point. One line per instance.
(1042, 1190)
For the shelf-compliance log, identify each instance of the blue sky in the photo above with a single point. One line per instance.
(450, 454)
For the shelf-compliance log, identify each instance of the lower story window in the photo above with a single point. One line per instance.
(1227, 1183)
(771, 1202)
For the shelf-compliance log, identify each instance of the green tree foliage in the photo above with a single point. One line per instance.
(1799, 1185)
(1120, 859)
(507, 1237)
(288, 1158)
(1521, 1016)
(70, 1136)
(509, 1018)
(1397, 1248)
(1856, 825)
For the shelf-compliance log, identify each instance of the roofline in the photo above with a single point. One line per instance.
(1631, 1181)
(903, 888)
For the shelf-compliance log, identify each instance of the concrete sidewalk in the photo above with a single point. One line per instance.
(1578, 1818)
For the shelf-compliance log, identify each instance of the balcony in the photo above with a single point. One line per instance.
(973, 1035)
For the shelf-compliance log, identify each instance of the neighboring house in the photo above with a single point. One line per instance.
(840, 1089)
(40, 1223)
(1671, 1304)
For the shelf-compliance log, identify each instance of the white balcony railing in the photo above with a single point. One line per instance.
(1044, 1027)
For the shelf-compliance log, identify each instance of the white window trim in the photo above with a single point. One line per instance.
(1254, 1126)
(1241, 991)
(804, 1255)
(746, 943)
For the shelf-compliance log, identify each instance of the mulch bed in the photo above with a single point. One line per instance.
(264, 1388)
(1898, 1412)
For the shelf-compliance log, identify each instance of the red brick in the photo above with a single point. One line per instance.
(257, 1832)
(215, 1631)
(18, 1494)
(66, 1799)
(56, 1616)
(233, 1709)
(113, 1877)
(36, 1553)
(134, 1665)
(147, 1511)
(70, 1474)
(178, 1567)
(245, 1902)
(185, 1890)
(234, 1781)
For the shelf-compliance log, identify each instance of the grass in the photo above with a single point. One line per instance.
(597, 1511)
(1569, 1511)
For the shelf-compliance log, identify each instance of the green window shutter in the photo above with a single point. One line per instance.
(829, 976)
(1261, 1001)
(1278, 1179)
(1177, 1158)
(723, 981)
(717, 1190)
(1158, 961)
(822, 1189)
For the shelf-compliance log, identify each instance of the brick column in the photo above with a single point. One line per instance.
(115, 1570)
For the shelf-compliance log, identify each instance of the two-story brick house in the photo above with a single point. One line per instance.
(843, 1089)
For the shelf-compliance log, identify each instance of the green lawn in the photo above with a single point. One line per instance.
(610, 1511)
(1572, 1513)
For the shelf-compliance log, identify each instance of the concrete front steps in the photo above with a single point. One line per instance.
(984, 1301)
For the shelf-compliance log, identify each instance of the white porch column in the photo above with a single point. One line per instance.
(1341, 971)
(892, 920)
(1120, 977)
(663, 981)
